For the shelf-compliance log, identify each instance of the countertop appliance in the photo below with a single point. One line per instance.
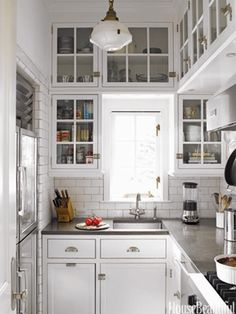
(26, 249)
(221, 111)
(190, 212)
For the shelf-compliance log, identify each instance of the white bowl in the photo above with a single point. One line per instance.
(224, 272)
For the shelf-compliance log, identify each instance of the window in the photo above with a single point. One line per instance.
(135, 154)
(135, 146)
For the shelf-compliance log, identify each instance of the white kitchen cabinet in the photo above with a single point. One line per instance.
(206, 33)
(133, 288)
(75, 59)
(199, 152)
(148, 60)
(71, 288)
(74, 132)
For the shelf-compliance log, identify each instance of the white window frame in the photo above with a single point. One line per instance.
(136, 102)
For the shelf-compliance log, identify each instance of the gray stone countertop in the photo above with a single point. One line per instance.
(61, 228)
(201, 242)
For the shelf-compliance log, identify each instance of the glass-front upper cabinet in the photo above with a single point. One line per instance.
(147, 60)
(220, 14)
(74, 135)
(74, 57)
(185, 62)
(197, 147)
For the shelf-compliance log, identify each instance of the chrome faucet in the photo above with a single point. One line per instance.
(137, 212)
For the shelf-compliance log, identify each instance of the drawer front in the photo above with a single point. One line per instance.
(133, 248)
(71, 248)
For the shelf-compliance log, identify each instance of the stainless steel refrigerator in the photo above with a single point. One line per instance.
(26, 200)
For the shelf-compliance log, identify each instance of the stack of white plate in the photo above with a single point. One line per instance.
(193, 133)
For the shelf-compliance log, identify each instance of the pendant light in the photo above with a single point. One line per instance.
(110, 34)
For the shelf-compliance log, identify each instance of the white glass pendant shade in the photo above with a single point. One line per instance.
(110, 35)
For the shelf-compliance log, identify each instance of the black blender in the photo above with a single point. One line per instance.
(190, 212)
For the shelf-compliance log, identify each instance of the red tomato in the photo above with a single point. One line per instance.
(89, 221)
(97, 220)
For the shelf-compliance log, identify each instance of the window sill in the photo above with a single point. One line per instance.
(133, 201)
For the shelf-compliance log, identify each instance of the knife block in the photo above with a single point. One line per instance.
(65, 214)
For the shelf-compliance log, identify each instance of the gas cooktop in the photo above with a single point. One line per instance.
(225, 290)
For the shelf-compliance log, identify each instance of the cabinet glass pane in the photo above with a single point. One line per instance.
(192, 153)
(139, 40)
(65, 109)
(194, 13)
(213, 29)
(137, 69)
(65, 153)
(181, 33)
(159, 69)
(158, 40)
(84, 109)
(195, 42)
(222, 17)
(65, 132)
(212, 154)
(83, 44)
(200, 8)
(192, 109)
(65, 69)
(186, 59)
(65, 40)
(192, 131)
(204, 109)
(185, 26)
(84, 132)
(84, 154)
(200, 36)
(84, 69)
(116, 69)
(211, 136)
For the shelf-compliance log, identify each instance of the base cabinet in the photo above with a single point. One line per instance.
(71, 288)
(133, 288)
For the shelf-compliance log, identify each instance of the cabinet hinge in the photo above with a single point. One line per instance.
(158, 128)
(189, 5)
(101, 276)
(171, 273)
(179, 156)
(177, 28)
(172, 74)
(177, 77)
(96, 74)
(96, 156)
(158, 181)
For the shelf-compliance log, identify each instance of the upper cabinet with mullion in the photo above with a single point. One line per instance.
(75, 59)
(148, 60)
(207, 29)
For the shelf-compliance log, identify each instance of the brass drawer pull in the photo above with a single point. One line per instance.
(133, 249)
(71, 249)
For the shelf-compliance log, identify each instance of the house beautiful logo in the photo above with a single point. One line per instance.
(199, 308)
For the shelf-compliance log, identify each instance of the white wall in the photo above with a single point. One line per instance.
(33, 33)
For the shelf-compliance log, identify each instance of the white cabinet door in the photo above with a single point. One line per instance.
(138, 288)
(7, 152)
(71, 288)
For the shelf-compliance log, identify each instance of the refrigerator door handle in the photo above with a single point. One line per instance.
(23, 294)
(13, 283)
(23, 176)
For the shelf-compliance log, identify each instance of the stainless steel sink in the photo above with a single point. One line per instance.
(134, 224)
